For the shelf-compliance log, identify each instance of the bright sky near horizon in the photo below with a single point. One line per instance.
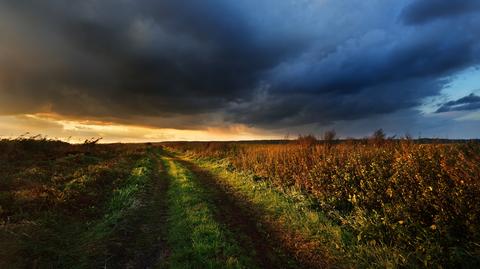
(144, 70)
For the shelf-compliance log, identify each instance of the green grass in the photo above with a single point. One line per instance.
(75, 209)
(196, 240)
(289, 209)
(123, 204)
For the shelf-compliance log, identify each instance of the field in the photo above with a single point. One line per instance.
(373, 203)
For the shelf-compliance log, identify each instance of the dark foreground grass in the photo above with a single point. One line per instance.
(104, 243)
(196, 240)
(69, 206)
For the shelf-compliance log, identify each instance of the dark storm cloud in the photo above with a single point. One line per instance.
(371, 74)
(290, 109)
(142, 57)
(188, 64)
(469, 102)
(422, 11)
(354, 68)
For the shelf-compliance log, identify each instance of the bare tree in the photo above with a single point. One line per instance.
(329, 135)
(379, 135)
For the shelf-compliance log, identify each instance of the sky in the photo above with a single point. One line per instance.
(146, 70)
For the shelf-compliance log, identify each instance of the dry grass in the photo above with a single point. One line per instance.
(417, 204)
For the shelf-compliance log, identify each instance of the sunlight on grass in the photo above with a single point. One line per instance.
(195, 238)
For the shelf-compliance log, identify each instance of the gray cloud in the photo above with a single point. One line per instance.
(290, 109)
(421, 11)
(469, 102)
(140, 58)
(192, 64)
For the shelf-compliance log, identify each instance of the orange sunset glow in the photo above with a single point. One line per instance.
(77, 131)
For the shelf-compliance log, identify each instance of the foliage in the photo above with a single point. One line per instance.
(417, 203)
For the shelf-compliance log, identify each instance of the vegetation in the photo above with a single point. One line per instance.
(307, 203)
(397, 202)
(195, 238)
(62, 205)
(286, 216)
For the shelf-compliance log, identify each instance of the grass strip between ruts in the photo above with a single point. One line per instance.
(196, 240)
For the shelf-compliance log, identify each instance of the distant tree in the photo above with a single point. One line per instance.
(379, 135)
(329, 135)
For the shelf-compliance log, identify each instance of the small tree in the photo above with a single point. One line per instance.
(379, 135)
(330, 135)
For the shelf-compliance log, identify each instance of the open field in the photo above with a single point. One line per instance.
(298, 204)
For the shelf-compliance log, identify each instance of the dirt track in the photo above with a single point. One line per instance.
(270, 245)
(240, 217)
(152, 249)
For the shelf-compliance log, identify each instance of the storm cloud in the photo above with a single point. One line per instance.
(268, 64)
(425, 11)
(469, 102)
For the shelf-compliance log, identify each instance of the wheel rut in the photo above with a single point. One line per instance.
(238, 216)
(152, 249)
